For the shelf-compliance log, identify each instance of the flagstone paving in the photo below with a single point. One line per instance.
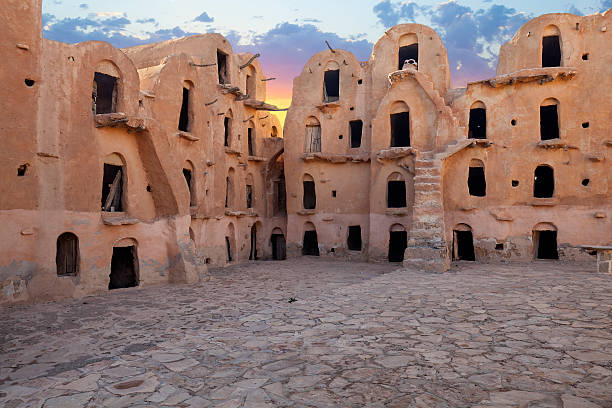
(357, 335)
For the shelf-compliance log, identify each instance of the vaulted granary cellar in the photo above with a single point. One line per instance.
(148, 165)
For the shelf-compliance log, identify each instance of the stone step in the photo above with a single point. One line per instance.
(427, 179)
(424, 196)
(427, 171)
(426, 225)
(425, 253)
(425, 187)
(425, 163)
(428, 265)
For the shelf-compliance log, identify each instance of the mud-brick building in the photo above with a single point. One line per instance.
(388, 162)
(131, 167)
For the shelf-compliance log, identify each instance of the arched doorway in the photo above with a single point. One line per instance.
(279, 246)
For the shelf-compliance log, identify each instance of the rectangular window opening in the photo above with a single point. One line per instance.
(408, 52)
(396, 194)
(250, 142)
(112, 186)
(477, 184)
(478, 124)
(228, 250)
(104, 94)
(549, 122)
(354, 238)
(184, 116)
(251, 86)
(281, 197)
(551, 51)
(310, 197)
(226, 131)
(313, 139)
(356, 130)
(222, 67)
(249, 196)
(400, 129)
(189, 180)
(331, 85)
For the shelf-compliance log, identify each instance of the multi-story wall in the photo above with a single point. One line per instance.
(131, 167)
(514, 167)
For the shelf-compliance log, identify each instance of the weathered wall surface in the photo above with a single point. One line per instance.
(178, 230)
(434, 166)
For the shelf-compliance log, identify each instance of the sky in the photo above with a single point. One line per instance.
(288, 33)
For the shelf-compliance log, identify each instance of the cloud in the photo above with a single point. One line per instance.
(390, 12)
(204, 18)
(109, 27)
(83, 6)
(287, 47)
(311, 20)
(146, 21)
(472, 36)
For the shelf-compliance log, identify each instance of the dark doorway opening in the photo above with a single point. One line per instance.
(477, 184)
(310, 196)
(184, 116)
(228, 250)
(250, 142)
(331, 85)
(464, 246)
(104, 94)
(551, 51)
(279, 248)
(281, 197)
(112, 186)
(249, 196)
(311, 244)
(408, 52)
(549, 122)
(251, 86)
(400, 129)
(356, 130)
(544, 182)
(478, 124)
(253, 252)
(188, 179)
(354, 238)
(222, 67)
(546, 244)
(67, 255)
(398, 241)
(124, 268)
(226, 131)
(396, 194)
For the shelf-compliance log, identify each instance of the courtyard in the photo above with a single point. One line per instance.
(317, 333)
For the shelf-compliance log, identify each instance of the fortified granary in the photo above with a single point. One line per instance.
(386, 162)
(148, 165)
(131, 167)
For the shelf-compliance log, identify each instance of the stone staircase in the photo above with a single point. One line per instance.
(427, 249)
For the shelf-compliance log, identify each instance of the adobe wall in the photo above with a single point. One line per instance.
(435, 166)
(178, 234)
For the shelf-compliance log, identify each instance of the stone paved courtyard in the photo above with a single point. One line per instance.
(532, 335)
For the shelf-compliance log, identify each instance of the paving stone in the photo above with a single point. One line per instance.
(69, 401)
(525, 335)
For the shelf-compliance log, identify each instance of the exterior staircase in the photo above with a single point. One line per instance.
(427, 249)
